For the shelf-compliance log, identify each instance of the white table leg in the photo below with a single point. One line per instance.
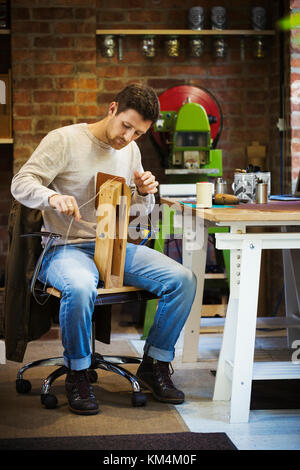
(242, 367)
(235, 368)
(222, 389)
(194, 254)
(223, 383)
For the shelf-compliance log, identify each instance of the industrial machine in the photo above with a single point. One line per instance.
(187, 132)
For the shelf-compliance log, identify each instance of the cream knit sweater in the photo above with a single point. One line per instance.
(67, 162)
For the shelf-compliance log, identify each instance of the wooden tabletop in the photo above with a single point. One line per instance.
(273, 211)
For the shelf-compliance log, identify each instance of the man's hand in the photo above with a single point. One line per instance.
(145, 182)
(65, 205)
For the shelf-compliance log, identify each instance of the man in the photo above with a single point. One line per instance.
(59, 178)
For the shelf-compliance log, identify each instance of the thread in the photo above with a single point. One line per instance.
(204, 195)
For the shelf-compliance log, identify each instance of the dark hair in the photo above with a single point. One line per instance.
(141, 98)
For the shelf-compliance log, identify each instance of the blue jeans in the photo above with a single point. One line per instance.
(71, 269)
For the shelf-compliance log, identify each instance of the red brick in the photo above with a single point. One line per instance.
(113, 85)
(224, 70)
(88, 83)
(145, 16)
(88, 110)
(67, 110)
(20, 41)
(85, 13)
(33, 83)
(54, 69)
(33, 26)
(52, 14)
(86, 97)
(46, 125)
(75, 56)
(22, 124)
(54, 96)
(187, 70)
(150, 71)
(111, 71)
(22, 97)
(54, 41)
(85, 42)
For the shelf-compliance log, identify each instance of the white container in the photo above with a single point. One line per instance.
(204, 192)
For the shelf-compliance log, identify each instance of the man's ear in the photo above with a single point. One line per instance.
(113, 107)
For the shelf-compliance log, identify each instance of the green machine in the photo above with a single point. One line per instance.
(186, 135)
(191, 151)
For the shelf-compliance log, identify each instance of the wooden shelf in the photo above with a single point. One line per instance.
(4, 31)
(6, 140)
(185, 32)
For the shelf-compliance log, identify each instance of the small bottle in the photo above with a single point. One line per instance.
(262, 193)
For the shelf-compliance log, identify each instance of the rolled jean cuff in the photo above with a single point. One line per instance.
(159, 354)
(78, 364)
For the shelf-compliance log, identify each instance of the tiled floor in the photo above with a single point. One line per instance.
(266, 430)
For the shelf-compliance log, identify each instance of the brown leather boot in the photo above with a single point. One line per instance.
(80, 393)
(156, 376)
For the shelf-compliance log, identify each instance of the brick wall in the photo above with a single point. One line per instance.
(54, 57)
(60, 76)
(247, 89)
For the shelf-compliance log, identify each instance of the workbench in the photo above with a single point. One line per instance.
(236, 368)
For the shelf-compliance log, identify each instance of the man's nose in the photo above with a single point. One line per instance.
(129, 135)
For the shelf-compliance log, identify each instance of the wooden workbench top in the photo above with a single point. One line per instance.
(273, 211)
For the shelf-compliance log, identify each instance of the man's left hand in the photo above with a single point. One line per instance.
(145, 183)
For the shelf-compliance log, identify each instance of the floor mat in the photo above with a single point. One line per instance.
(169, 441)
(23, 415)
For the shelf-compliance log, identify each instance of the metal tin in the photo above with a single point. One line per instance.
(262, 193)
(221, 186)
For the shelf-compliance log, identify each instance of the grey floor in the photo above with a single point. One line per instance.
(266, 430)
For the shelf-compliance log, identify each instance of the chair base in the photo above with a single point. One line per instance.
(109, 363)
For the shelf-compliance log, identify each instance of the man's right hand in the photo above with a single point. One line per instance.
(65, 205)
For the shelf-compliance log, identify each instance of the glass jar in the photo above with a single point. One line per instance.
(108, 46)
(172, 46)
(148, 46)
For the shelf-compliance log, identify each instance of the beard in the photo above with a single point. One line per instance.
(113, 139)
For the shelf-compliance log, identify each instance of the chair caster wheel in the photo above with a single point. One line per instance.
(93, 376)
(23, 386)
(138, 399)
(49, 400)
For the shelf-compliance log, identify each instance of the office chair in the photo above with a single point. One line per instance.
(111, 291)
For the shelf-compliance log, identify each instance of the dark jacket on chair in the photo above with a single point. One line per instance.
(24, 319)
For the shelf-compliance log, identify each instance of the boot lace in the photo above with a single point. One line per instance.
(82, 384)
(165, 371)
